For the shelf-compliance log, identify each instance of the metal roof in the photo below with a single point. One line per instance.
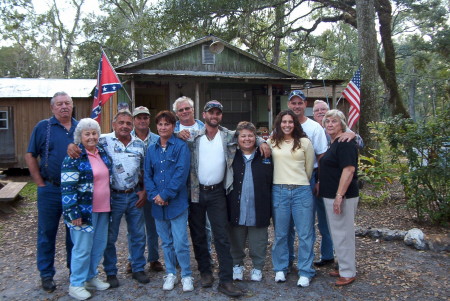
(37, 87)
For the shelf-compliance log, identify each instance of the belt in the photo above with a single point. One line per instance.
(288, 186)
(210, 187)
(124, 191)
(54, 183)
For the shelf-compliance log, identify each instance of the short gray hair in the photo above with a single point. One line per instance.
(61, 93)
(318, 101)
(125, 112)
(338, 114)
(83, 125)
(182, 99)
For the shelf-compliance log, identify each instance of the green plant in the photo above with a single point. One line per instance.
(422, 151)
(376, 171)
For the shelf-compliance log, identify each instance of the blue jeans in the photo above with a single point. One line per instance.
(175, 243)
(150, 233)
(88, 249)
(297, 202)
(125, 203)
(326, 245)
(49, 214)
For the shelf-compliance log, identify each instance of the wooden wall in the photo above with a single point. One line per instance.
(27, 112)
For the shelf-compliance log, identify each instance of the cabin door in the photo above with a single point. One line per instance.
(7, 146)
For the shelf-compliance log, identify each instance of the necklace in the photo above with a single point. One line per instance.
(289, 141)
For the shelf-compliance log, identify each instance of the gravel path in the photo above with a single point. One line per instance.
(386, 271)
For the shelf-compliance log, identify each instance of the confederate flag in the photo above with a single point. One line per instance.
(107, 84)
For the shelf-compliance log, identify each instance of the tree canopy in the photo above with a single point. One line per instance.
(319, 38)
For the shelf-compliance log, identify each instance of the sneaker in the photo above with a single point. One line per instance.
(96, 284)
(256, 275)
(280, 277)
(112, 280)
(238, 272)
(188, 284)
(303, 281)
(48, 284)
(169, 281)
(141, 277)
(79, 292)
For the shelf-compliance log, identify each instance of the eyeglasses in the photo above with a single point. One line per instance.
(186, 109)
(320, 109)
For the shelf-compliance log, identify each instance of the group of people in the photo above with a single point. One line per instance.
(224, 185)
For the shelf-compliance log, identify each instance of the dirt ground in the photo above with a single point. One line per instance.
(386, 270)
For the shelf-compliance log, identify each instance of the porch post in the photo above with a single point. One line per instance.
(333, 93)
(197, 100)
(269, 106)
(133, 95)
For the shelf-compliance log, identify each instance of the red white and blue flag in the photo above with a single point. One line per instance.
(107, 84)
(352, 94)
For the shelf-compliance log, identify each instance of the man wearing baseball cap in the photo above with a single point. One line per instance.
(141, 122)
(212, 154)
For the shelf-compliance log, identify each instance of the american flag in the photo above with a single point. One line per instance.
(107, 84)
(352, 94)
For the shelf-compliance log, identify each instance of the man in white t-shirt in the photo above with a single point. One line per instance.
(210, 159)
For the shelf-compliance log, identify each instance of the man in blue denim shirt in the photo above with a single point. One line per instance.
(49, 141)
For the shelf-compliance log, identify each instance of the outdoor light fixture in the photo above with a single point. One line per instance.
(216, 47)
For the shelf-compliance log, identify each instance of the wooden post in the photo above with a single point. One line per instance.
(197, 100)
(270, 106)
(133, 95)
(333, 96)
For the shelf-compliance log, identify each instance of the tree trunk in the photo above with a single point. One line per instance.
(387, 69)
(279, 19)
(367, 43)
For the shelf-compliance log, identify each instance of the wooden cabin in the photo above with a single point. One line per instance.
(26, 101)
(209, 68)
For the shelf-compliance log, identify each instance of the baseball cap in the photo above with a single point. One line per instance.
(213, 104)
(297, 93)
(140, 110)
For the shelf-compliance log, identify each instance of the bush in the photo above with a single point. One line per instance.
(422, 152)
(375, 170)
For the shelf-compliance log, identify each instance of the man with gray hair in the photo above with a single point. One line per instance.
(186, 126)
(49, 141)
(128, 196)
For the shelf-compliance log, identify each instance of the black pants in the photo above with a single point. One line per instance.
(212, 202)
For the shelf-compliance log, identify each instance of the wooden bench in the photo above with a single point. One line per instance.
(10, 191)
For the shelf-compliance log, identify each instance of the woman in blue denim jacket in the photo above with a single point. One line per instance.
(167, 164)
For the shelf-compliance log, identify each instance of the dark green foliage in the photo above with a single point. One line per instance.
(423, 151)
